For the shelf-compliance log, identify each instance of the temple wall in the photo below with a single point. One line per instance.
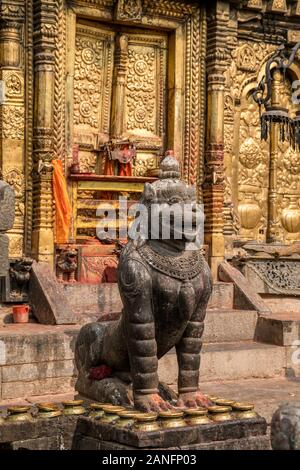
(212, 122)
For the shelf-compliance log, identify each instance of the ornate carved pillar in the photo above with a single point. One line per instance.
(213, 187)
(44, 36)
(12, 114)
(119, 86)
(272, 225)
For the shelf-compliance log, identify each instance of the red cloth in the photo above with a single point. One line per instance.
(100, 372)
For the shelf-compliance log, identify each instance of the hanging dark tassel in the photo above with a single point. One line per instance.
(264, 127)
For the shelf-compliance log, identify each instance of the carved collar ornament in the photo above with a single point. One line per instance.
(184, 266)
(289, 129)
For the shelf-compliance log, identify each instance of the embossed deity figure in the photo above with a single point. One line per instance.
(165, 285)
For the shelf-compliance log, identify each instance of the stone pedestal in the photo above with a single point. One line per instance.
(84, 433)
(237, 434)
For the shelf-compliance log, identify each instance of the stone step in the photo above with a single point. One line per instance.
(103, 301)
(231, 361)
(222, 295)
(229, 325)
(281, 328)
(39, 359)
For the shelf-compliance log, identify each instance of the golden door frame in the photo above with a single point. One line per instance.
(258, 211)
(50, 32)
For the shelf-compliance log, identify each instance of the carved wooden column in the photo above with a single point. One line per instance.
(45, 30)
(213, 187)
(12, 115)
(272, 223)
(119, 86)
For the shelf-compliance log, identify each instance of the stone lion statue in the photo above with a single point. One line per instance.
(165, 285)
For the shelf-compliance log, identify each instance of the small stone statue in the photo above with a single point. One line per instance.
(66, 265)
(165, 288)
(285, 427)
(20, 276)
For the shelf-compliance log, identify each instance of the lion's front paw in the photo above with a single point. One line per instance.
(152, 402)
(193, 400)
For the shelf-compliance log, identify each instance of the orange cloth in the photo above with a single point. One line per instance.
(125, 169)
(108, 167)
(62, 203)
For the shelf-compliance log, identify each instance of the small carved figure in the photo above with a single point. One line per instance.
(20, 275)
(165, 288)
(67, 265)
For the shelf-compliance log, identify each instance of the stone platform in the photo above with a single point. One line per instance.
(83, 433)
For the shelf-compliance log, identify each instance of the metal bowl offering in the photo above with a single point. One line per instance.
(220, 413)
(47, 407)
(19, 413)
(146, 422)
(196, 416)
(171, 419)
(224, 402)
(244, 410)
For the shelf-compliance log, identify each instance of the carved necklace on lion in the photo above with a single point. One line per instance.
(184, 266)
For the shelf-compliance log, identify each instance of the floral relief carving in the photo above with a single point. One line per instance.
(88, 81)
(141, 93)
(143, 164)
(250, 153)
(12, 122)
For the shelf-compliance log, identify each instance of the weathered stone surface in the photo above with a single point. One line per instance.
(37, 387)
(47, 298)
(248, 443)
(94, 302)
(4, 263)
(33, 347)
(103, 303)
(38, 371)
(222, 295)
(7, 207)
(179, 437)
(285, 428)
(229, 325)
(111, 390)
(39, 434)
(230, 361)
(80, 433)
(278, 329)
(245, 296)
(39, 443)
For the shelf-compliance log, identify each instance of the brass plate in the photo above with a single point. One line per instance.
(18, 409)
(49, 414)
(72, 402)
(196, 412)
(195, 420)
(74, 410)
(47, 406)
(219, 409)
(128, 414)
(224, 402)
(97, 406)
(146, 417)
(170, 414)
(112, 409)
(242, 406)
